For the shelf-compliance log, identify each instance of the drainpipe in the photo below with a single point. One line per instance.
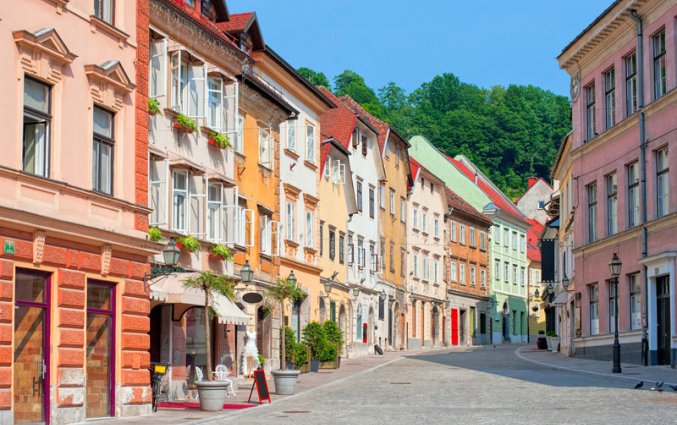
(642, 170)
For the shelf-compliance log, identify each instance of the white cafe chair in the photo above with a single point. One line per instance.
(221, 374)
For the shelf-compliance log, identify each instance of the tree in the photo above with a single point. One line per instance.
(212, 285)
(285, 289)
(316, 78)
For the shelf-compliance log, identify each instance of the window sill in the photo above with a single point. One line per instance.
(309, 250)
(292, 154)
(310, 165)
(98, 24)
(265, 168)
(291, 243)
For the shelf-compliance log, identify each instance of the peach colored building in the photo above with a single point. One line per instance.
(624, 104)
(73, 215)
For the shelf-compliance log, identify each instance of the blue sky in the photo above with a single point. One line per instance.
(484, 42)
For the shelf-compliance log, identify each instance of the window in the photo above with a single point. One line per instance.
(483, 241)
(332, 243)
(381, 308)
(359, 195)
(590, 112)
(322, 237)
(523, 243)
(633, 194)
(426, 268)
(342, 239)
(454, 274)
(358, 322)
(473, 274)
(179, 200)
(392, 202)
(351, 251)
(214, 208)
(415, 219)
(424, 220)
(158, 177)
(103, 9)
(381, 254)
(461, 271)
(436, 226)
(310, 229)
(453, 231)
(415, 261)
(612, 306)
(100, 337)
(594, 309)
(473, 236)
(403, 210)
(291, 135)
(102, 159)
(265, 149)
(496, 233)
(310, 144)
(514, 274)
(391, 258)
(364, 144)
(360, 254)
(506, 271)
(207, 9)
(514, 240)
(188, 84)
(506, 236)
(382, 196)
(662, 183)
(435, 271)
(659, 61)
(36, 127)
(635, 302)
(483, 277)
(522, 276)
(610, 98)
(217, 104)
(266, 243)
(373, 259)
(612, 204)
(372, 201)
(630, 84)
(540, 205)
(238, 145)
(497, 269)
(592, 212)
(403, 256)
(290, 221)
(462, 230)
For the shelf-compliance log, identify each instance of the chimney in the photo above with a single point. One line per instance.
(532, 182)
(475, 177)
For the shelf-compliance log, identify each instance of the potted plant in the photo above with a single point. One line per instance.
(283, 290)
(262, 361)
(221, 252)
(155, 234)
(212, 393)
(548, 338)
(219, 140)
(335, 338)
(188, 243)
(184, 124)
(541, 342)
(315, 337)
(153, 107)
(554, 341)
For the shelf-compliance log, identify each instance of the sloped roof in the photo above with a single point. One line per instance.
(337, 122)
(458, 204)
(382, 127)
(499, 201)
(533, 236)
(244, 22)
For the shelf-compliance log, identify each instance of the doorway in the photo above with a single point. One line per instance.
(454, 326)
(663, 319)
(100, 354)
(31, 347)
(462, 327)
(435, 325)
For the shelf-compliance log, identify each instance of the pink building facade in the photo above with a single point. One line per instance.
(73, 216)
(624, 112)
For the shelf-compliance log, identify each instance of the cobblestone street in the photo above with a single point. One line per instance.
(489, 385)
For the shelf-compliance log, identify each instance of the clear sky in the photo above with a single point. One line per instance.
(483, 42)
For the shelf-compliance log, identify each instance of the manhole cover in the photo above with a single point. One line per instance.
(296, 411)
(400, 383)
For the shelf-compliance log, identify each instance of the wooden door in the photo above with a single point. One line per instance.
(454, 326)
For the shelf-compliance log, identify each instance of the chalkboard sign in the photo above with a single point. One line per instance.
(261, 387)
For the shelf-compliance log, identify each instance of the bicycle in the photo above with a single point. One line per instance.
(157, 371)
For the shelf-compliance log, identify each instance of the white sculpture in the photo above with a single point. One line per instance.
(250, 355)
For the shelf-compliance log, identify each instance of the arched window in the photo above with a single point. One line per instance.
(358, 322)
(323, 310)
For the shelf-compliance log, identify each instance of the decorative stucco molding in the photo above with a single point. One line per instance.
(109, 83)
(43, 53)
(38, 245)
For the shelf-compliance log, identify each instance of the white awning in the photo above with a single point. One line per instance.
(560, 299)
(170, 290)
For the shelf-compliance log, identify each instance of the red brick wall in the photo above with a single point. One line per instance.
(141, 100)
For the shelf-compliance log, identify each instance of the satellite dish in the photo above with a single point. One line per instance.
(252, 297)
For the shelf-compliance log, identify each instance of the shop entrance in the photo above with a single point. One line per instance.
(31, 348)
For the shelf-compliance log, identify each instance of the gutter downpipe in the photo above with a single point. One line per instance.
(642, 168)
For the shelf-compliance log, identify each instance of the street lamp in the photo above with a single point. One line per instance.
(171, 254)
(327, 287)
(537, 294)
(291, 278)
(565, 281)
(615, 269)
(356, 291)
(246, 272)
(382, 295)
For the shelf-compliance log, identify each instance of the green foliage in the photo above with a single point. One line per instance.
(286, 289)
(300, 354)
(262, 360)
(212, 284)
(220, 139)
(185, 124)
(551, 334)
(222, 251)
(541, 332)
(154, 107)
(290, 341)
(328, 353)
(316, 78)
(189, 243)
(315, 337)
(333, 332)
(155, 234)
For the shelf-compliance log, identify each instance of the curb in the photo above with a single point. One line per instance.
(291, 397)
(589, 372)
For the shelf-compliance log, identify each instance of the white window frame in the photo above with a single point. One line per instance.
(180, 213)
(310, 143)
(290, 221)
(266, 148)
(158, 191)
(215, 205)
(291, 135)
(310, 229)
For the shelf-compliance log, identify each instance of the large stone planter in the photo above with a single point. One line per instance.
(212, 395)
(285, 381)
(549, 342)
(555, 343)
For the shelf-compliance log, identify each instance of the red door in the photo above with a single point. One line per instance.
(454, 326)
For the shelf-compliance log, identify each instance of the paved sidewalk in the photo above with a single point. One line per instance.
(649, 374)
(306, 382)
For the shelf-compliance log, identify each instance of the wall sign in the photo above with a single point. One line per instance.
(8, 247)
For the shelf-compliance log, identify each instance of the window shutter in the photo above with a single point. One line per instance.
(196, 205)
(197, 91)
(158, 70)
